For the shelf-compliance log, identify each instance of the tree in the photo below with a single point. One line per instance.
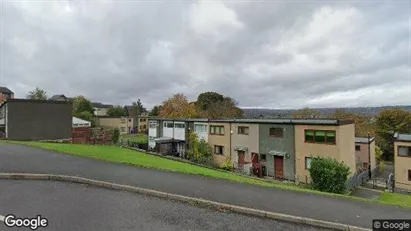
(363, 124)
(177, 107)
(81, 104)
(116, 135)
(137, 108)
(307, 113)
(85, 115)
(116, 111)
(155, 110)
(38, 94)
(205, 99)
(388, 122)
(329, 175)
(215, 105)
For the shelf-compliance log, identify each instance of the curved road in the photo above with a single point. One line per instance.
(70, 207)
(21, 159)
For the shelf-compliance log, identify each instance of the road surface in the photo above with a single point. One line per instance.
(22, 159)
(69, 206)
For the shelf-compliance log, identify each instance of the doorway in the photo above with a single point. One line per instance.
(279, 167)
(241, 159)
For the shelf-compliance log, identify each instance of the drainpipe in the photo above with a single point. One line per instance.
(231, 134)
(369, 156)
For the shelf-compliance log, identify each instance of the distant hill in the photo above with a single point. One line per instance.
(284, 113)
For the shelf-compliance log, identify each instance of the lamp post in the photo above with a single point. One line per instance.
(369, 155)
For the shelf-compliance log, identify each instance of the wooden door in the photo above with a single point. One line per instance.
(241, 159)
(279, 167)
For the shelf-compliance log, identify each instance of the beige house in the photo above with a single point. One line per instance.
(124, 124)
(364, 151)
(335, 141)
(219, 138)
(142, 123)
(244, 143)
(402, 161)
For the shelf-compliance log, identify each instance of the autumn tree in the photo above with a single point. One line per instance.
(177, 107)
(388, 122)
(38, 94)
(307, 113)
(116, 111)
(363, 124)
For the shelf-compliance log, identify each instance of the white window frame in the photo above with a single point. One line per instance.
(168, 122)
(153, 124)
(180, 123)
(204, 126)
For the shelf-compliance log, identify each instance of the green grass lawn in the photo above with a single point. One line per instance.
(139, 138)
(126, 156)
(396, 199)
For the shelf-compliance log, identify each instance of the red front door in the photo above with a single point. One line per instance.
(241, 159)
(279, 167)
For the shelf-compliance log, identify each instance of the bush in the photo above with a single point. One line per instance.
(116, 135)
(227, 165)
(329, 175)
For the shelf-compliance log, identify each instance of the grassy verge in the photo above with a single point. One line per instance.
(139, 138)
(396, 199)
(126, 156)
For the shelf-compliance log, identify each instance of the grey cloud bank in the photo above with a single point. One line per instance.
(263, 54)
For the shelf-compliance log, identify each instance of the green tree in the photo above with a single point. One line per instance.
(137, 108)
(307, 113)
(215, 105)
(85, 115)
(116, 111)
(329, 175)
(388, 122)
(205, 99)
(37, 94)
(81, 104)
(155, 110)
(116, 135)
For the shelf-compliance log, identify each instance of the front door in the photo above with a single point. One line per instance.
(241, 159)
(279, 167)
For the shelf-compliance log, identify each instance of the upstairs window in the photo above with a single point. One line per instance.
(404, 151)
(153, 124)
(319, 136)
(179, 125)
(217, 130)
(168, 124)
(276, 132)
(243, 130)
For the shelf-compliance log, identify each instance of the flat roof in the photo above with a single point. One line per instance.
(16, 100)
(335, 122)
(403, 137)
(363, 140)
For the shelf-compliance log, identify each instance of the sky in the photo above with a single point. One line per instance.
(271, 54)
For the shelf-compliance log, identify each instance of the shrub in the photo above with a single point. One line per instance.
(329, 175)
(227, 165)
(116, 135)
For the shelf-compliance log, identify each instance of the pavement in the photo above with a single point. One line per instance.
(367, 193)
(69, 206)
(22, 159)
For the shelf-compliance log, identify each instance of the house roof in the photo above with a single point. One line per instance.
(335, 122)
(55, 97)
(5, 90)
(402, 137)
(80, 122)
(363, 140)
(100, 105)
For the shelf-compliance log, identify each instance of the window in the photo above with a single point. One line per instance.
(144, 126)
(217, 130)
(357, 148)
(179, 125)
(243, 130)
(141, 127)
(409, 175)
(263, 157)
(404, 151)
(200, 128)
(168, 124)
(129, 120)
(319, 136)
(153, 124)
(276, 132)
(122, 121)
(218, 150)
(307, 162)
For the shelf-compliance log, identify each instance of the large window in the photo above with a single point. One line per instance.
(218, 150)
(153, 124)
(179, 125)
(168, 124)
(276, 132)
(243, 130)
(320, 136)
(307, 162)
(200, 128)
(217, 130)
(404, 151)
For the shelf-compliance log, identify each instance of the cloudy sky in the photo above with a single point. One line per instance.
(274, 54)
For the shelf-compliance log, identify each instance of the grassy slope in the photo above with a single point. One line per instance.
(140, 138)
(126, 156)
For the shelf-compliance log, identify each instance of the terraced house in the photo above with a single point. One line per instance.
(285, 147)
(402, 162)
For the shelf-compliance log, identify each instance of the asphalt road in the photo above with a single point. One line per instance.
(70, 207)
(21, 159)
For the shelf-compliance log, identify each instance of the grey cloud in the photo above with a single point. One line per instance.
(120, 51)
